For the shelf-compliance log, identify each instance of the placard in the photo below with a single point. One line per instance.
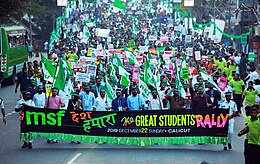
(188, 3)
(131, 43)
(152, 38)
(190, 51)
(164, 38)
(188, 38)
(91, 70)
(143, 49)
(197, 55)
(251, 57)
(62, 3)
(103, 32)
(82, 77)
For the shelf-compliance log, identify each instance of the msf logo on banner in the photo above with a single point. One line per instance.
(52, 119)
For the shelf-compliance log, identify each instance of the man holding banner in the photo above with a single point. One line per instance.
(135, 101)
(20, 104)
(87, 99)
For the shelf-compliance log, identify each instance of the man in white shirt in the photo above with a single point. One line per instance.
(25, 101)
(39, 98)
(232, 107)
(102, 102)
(253, 75)
(154, 102)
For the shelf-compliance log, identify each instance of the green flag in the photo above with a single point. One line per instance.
(145, 90)
(148, 75)
(60, 78)
(119, 4)
(178, 81)
(206, 76)
(125, 81)
(109, 90)
(131, 58)
(49, 70)
(140, 74)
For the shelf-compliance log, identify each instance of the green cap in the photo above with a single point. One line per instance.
(201, 88)
(172, 82)
(102, 90)
(164, 81)
(86, 86)
(154, 91)
(74, 94)
(32, 81)
(55, 89)
(40, 86)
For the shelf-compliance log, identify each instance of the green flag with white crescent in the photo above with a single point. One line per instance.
(148, 75)
(206, 76)
(145, 90)
(49, 70)
(125, 81)
(130, 56)
(109, 90)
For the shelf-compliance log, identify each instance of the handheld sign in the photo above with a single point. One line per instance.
(197, 55)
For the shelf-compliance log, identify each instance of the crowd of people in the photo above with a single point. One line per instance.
(233, 78)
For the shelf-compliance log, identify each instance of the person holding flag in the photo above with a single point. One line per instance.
(176, 101)
(87, 99)
(135, 101)
(102, 102)
(119, 103)
(154, 102)
(40, 97)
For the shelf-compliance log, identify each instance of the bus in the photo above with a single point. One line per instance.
(13, 52)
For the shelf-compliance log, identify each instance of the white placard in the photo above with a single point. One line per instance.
(82, 77)
(177, 28)
(197, 55)
(109, 39)
(61, 2)
(190, 51)
(103, 32)
(110, 46)
(91, 70)
(188, 3)
(152, 38)
(188, 38)
(143, 49)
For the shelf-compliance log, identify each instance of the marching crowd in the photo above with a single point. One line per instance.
(239, 93)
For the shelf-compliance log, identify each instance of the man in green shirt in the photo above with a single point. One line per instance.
(252, 130)
(250, 94)
(238, 85)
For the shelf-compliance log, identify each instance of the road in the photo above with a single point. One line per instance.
(68, 153)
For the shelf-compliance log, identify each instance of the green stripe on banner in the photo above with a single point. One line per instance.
(138, 141)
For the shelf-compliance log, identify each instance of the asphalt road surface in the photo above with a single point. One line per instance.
(68, 153)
